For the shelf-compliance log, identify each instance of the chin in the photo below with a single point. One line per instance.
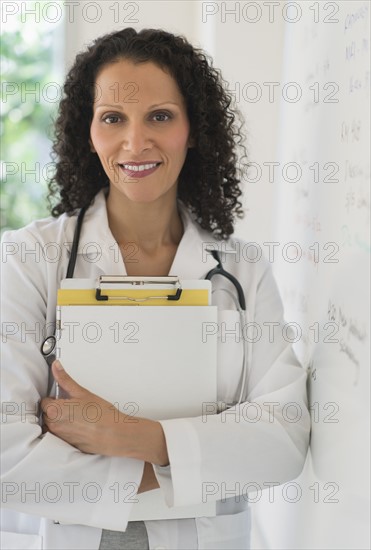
(142, 198)
(147, 196)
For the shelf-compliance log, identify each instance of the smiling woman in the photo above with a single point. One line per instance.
(142, 157)
(155, 168)
(133, 141)
(157, 82)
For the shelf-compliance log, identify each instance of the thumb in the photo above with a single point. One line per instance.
(66, 381)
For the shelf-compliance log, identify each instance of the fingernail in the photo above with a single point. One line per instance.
(58, 365)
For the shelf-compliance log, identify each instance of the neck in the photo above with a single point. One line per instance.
(150, 226)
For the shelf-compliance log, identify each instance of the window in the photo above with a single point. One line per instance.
(32, 67)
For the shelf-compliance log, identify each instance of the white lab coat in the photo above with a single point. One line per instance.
(254, 445)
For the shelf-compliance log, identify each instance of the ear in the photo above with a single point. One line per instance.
(92, 149)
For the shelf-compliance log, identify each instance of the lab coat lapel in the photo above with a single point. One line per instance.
(97, 246)
(191, 260)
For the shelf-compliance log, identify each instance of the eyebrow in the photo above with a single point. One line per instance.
(118, 105)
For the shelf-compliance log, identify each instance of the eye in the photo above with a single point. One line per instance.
(110, 119)
(168, 115)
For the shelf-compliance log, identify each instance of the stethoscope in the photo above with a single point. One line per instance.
(49, 343)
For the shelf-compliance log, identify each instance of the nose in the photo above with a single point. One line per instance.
(136, 137)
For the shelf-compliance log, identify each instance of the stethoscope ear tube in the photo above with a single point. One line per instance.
(48, 345)
(75, 243)
(219, 270)
(246, 351)
(244, 317)
(244, 314)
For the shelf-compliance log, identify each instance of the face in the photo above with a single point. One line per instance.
(140, 130)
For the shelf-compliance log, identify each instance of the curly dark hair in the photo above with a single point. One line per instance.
(209, 180)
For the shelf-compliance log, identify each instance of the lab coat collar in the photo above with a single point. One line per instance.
(191, 260)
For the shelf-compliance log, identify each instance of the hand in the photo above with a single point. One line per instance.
(95, 426)
(87, 421)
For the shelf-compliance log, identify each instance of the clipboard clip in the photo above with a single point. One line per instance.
(135, 282)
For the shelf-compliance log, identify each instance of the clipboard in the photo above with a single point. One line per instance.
(124, 290)
(140, 344)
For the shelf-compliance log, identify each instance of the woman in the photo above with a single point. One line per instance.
(146, 139)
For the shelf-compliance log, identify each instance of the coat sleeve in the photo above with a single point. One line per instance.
(42, 474)
(255, 444)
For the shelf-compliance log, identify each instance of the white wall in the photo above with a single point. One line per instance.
(103, 17)
(249, 54)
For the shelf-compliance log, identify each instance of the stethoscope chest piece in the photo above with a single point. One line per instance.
(48, 347)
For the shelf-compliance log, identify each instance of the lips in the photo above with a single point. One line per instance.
(139, 170)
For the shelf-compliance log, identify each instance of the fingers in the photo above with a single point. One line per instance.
(66, 381)
(52, 409)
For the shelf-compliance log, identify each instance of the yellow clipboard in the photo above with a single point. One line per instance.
(136, 291)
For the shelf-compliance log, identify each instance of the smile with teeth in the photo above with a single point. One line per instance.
(139, 168)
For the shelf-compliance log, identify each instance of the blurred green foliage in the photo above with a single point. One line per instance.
(30, 93)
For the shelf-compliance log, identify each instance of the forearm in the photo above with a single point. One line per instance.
(148, 442)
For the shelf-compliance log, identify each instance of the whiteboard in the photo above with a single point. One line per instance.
(323, 229)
